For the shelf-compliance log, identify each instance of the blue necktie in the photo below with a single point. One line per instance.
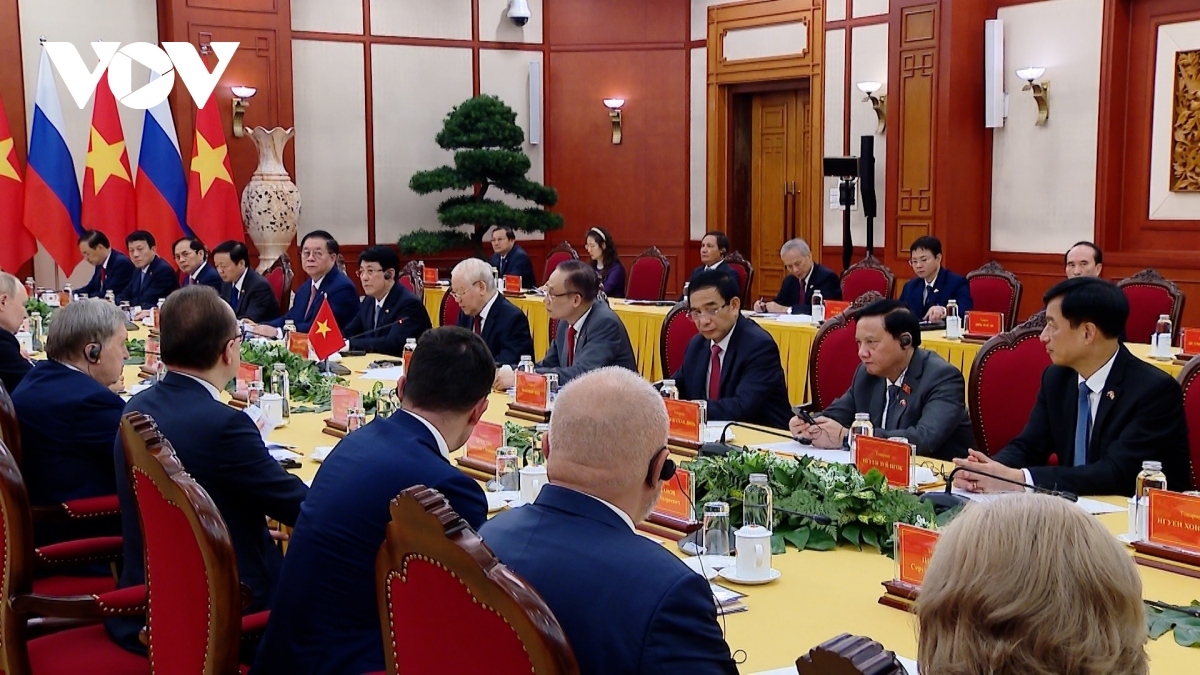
(1083, 425)
(235, 297)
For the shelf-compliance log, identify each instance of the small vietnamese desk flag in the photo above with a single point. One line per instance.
(19, 244)
(108, 202)
(213, 213)
(324, 336)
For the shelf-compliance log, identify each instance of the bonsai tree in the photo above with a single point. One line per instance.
(485, 138)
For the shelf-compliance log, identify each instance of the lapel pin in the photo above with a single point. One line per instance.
(1111, 395)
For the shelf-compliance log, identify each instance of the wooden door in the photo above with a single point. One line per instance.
(779, 193)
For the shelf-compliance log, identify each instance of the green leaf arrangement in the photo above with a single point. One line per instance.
(308, 385)
(863, 508)
(1160, 619)
(137, 351)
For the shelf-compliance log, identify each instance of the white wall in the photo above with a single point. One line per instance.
(505, 73)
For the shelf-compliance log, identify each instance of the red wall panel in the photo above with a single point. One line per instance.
(596, 22)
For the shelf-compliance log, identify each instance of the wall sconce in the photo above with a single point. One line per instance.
(614, 113)
(1041, 92)
(879, 103)
(241, 101)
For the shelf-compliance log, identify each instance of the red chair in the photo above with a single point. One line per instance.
(1003, 385)
(557, 255)
(648, 276)
(1191, 410)
(834, 355)
(745, 272)
(552, 332)
(995, 289)
(412, 279)
(449, 310)
(435, 578)
(280, 276)
(867, 275)
(678, 329)
(1150, 295)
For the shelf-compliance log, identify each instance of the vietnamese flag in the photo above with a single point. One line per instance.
(18, 243)
(213, 213)
(324, 336)
(108, 199)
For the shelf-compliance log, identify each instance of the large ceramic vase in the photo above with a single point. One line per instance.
(271, 201)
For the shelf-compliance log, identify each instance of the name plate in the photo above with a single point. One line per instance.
(533, 391)
(678, 497)
(892, 458)
(247, 373)
(512, 283)
(1189, 340)
(985, 323)
(343, 399)
(430, 276)
(914, 549)
(484, 440)
(1174, 520)
(298, 344)
(835, 307)
(684, 419)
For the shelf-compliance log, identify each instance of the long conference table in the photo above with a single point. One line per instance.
(644, 323)
(819, 595)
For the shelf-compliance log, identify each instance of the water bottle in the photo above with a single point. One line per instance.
(127, 310)
(421, 270)
(953, 321)
(757, 502)
(289, 327)
(541, 443)
(410, 346)
(1162, 338)
(254, 390)
(818, 307)
(1151, 477)
(355, 419)
(669, 390)
(526, 364)
(496, 276)
(861, 426)
(35, 325)
(384, 403)
(30, 287)
(281, 384)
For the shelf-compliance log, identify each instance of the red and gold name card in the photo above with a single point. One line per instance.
(343, 399)
(1174, 520)
(914, 549)
(684, 417)
(430, 276)
(484, 440)
(892, 458)
(835, 307)
(677, 498)
(298, 344)
(533, 391)
(985, 323)
(152, 350)
(512, 283)
(1189, 341)
(247, 373)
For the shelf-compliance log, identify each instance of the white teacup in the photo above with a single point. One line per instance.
(753, 553)
(532, 479)
(25, 339)
(272, 407)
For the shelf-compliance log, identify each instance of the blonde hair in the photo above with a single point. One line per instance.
(1030, 585)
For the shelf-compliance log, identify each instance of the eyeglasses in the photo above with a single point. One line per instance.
(552, 294)
(369, 271)
(920, 261)
(310, 253)
(457, 295)
(709, 312)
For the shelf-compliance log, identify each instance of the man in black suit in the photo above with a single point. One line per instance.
(1100, 409)
(714, 246)
(389, 314)
(319, 253)
(14, 362)
(154, 278)
(733, 363)
(501, 324)
(510, 258)
(113, 270)
(804, 277)
(250, 295)
(908, 391)
(219, 446)
(192, 258)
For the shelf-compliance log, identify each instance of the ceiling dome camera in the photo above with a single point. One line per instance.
(518, 12)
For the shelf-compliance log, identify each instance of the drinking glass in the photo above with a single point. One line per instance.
(716, 529)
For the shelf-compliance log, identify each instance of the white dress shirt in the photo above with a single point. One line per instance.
(437, 435)
(196, 275)
(487, 307)
(212, 391)
(887, 399)
(724, 345)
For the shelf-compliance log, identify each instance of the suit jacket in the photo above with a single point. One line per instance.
(612, 279)
(506, 331)
(932, 410)
(325, 618)
(222, 449)
(148, 286)
(1140, 417)
(208, 277)
(516, 262)
(821, 278)
(13, 366)
(656, 616)
(753, 388)
(947, 286)
(343, 300)
(721, 267)
(602, 341)
(256, 302)
(403, 310)
(117, 275)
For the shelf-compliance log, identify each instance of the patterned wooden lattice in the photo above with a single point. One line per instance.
(1185, 127)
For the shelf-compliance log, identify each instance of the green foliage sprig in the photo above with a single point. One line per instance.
(308, 385)
(1186, 627)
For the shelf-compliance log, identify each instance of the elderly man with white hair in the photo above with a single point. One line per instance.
(14, 362)
(501, 324)
(607, 465)
(804, 276)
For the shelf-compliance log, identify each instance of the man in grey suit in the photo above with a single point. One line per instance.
(590, 335)
(907, 391)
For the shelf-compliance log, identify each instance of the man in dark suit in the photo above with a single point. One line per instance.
(934, 286)
(386, 303)
(501, 324)
(14, 362)
(804, 276)
(1100, 409)
(578, 536)
(510, 258)
(318, 253)
(219, 446)
(589, 336)
(1084, 259)
(714, 246)
(908, 391)
(113, 270)
(325, 618)
(192, 258)
(733, 363)
(154, 278)
(250, 295)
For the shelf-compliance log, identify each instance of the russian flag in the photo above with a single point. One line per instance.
(161, 187)
(52, 200)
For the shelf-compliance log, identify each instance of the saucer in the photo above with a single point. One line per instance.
(707, 565)
(730, 574)
(1128, 538)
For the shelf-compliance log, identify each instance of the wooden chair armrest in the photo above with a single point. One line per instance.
(131, 601)
(79, 552)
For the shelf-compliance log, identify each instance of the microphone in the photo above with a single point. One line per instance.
(944, 501)
(722, 448)
(374, 330)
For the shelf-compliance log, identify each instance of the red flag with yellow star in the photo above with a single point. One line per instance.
(213, 213)
(108, 199)
(18, 244)
(324, 336)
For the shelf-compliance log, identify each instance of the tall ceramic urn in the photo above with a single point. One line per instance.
(271, 201)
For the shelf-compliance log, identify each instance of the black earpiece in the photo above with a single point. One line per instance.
(92, 353)
(667, 471)
(387, 275)
(905, 340)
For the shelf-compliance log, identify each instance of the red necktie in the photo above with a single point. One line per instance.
(714, 374)
(803, 287)
(311, 296)
(478, 325)
(570, 344)
(103, 276)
